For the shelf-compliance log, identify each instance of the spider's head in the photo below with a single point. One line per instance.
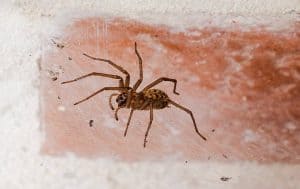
(121, 99)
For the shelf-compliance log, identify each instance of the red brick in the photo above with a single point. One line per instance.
(243, 84)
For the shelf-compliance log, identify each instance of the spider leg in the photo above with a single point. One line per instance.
(144, 105)
(99, 91)
(191, 114)
(159, 80)
(110, 98)
(129, 98)
(136, 85)
(120, 68)
(139, 81)
(128, 122)
(116, 113)
(121, 83)
(149, 125)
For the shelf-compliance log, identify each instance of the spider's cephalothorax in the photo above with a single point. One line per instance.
(147, 99)
(122, 99)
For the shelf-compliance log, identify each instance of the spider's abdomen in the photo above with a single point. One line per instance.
(158, 98)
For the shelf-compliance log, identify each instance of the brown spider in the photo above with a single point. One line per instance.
(128, 97)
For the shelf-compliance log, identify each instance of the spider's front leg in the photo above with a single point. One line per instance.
(120, 68)
(99, 91)
(121, 82)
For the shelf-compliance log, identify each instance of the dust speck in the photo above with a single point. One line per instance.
(225, 178)
(91, 122)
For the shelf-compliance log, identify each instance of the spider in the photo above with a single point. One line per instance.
(128, 97)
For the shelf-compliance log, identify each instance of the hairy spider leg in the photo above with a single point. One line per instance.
(99, 91)
(121, 83)
(149, 125)
(139, 81)
(128, 122)
(129, 98)
(110, 100)
(159, 80)
(144, 105)
(120, 68)
(191, 114)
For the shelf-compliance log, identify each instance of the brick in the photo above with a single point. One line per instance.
(242, 86)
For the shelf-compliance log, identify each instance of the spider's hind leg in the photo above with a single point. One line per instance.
(191, 114)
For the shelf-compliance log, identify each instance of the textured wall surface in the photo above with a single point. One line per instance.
(36, 156)
(241, 84)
